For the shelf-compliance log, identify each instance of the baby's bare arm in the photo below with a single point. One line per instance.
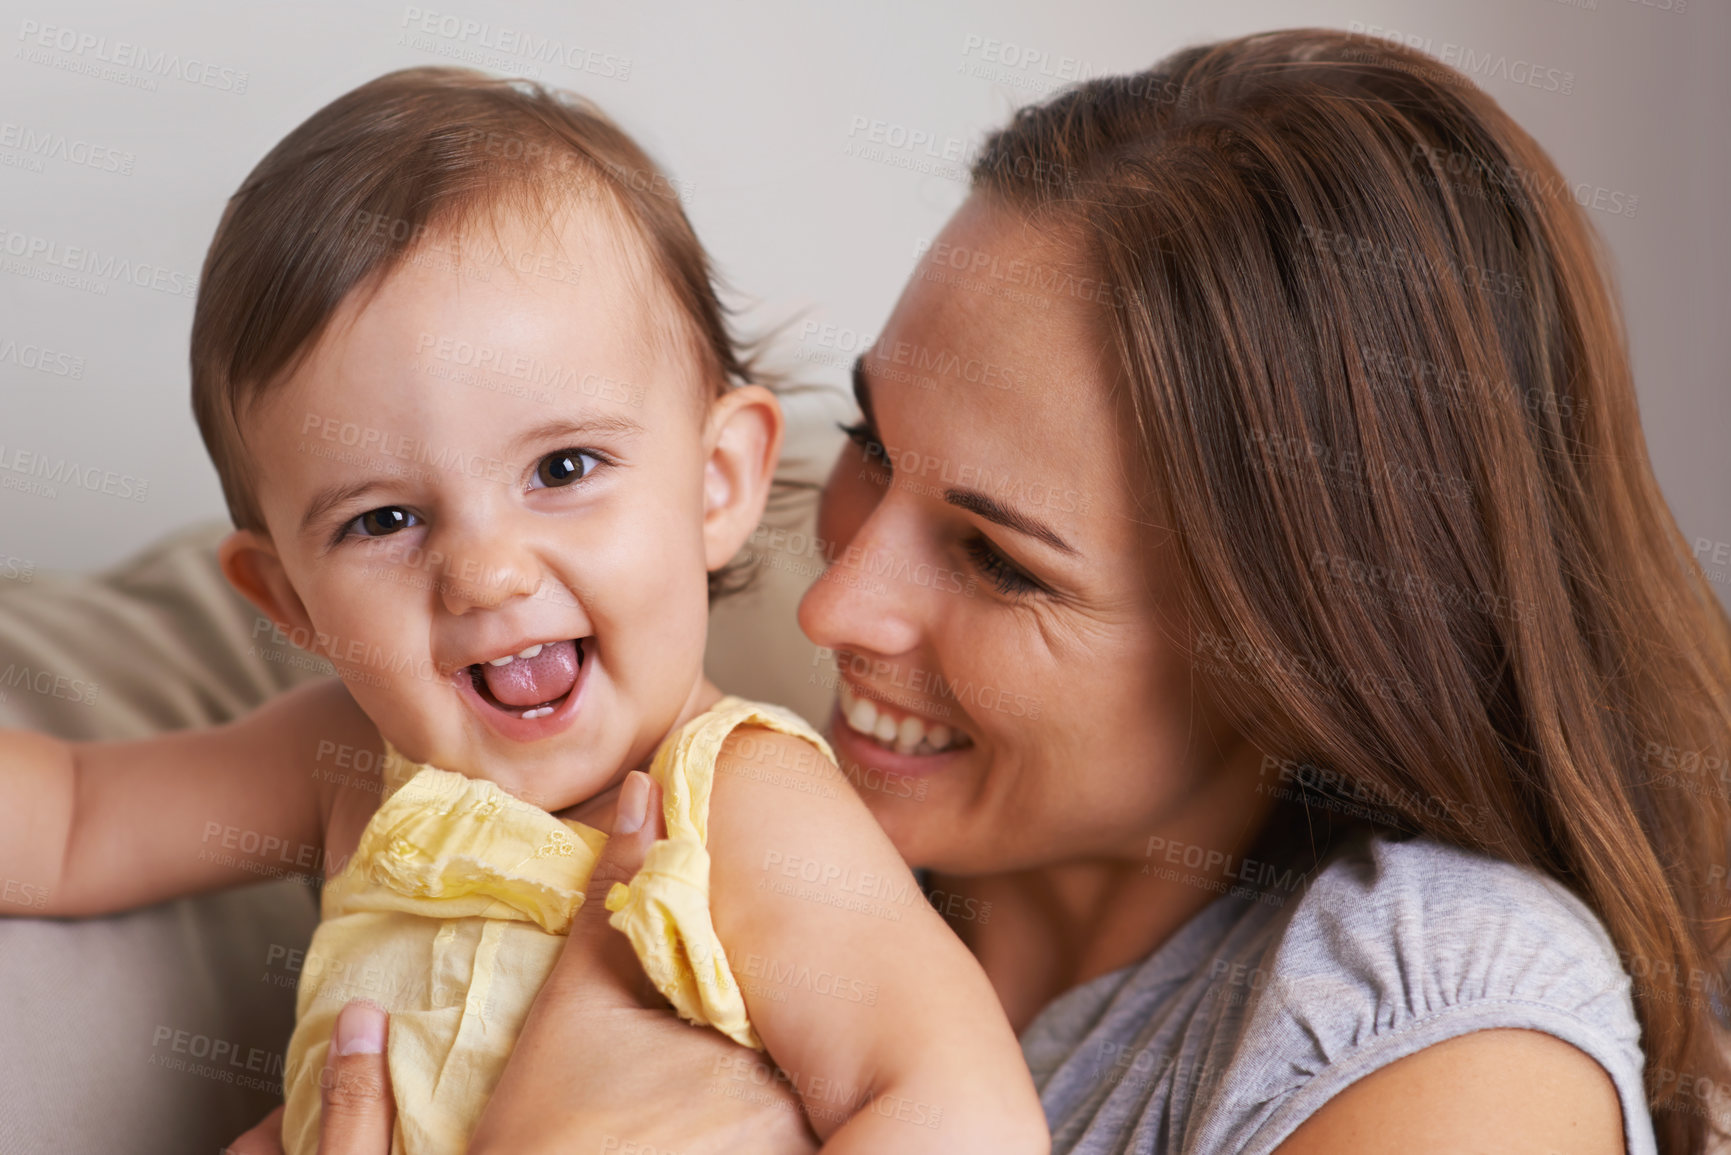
(882, 1020)
(95, 827)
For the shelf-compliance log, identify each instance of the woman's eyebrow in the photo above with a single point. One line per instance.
(972, 500)
(992, 509)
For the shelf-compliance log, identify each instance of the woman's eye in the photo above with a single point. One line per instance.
(380, 522)
(864, 436)
(1005, 575)
(563, 467)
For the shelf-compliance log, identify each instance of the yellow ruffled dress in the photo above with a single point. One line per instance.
(453, 909)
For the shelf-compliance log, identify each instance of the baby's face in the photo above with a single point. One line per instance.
(497, 459)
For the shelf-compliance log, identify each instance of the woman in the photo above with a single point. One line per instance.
(1309, 634)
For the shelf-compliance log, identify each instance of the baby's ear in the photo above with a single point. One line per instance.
(250, 563)
(744, 439)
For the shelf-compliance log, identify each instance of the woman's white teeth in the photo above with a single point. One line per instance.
(509, 658)
(910, 734)
(538, 712)
(861, 714)
(885, 730)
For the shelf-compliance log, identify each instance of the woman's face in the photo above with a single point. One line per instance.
(995, 588)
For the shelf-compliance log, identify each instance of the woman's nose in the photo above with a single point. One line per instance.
(858, 603)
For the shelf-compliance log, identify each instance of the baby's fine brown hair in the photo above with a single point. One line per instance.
(349, 194)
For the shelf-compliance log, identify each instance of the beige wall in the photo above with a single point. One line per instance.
(754, 108)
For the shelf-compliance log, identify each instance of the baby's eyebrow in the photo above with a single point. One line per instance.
(332, 497)
(577, 427)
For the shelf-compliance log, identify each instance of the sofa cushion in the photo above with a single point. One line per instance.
(163, 1029)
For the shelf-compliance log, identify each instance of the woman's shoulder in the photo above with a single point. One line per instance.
(1477, 920)
(1400, 943)
(1264, 1007)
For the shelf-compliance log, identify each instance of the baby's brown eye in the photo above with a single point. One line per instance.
(563, 467)
(380, 522)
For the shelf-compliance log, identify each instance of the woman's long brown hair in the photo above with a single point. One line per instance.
(1383, 390)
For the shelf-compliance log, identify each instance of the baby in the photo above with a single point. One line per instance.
(460, 364)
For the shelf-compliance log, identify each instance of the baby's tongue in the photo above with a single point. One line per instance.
(530, 681)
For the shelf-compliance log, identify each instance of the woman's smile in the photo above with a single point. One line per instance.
(868, 730)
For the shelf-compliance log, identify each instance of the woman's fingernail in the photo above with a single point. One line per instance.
(360, 1029)
(633, 803)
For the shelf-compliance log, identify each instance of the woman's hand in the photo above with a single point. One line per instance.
(354, 1090)
(603, 1064)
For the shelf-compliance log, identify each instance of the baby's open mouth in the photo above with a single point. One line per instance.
(530, 684)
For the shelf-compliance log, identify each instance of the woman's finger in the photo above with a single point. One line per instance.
(355, 1086)
(598, 960)
(264, 1139)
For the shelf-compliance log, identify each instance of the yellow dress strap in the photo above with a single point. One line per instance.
(664, 910)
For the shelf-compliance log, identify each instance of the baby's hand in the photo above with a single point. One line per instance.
(355, 1090)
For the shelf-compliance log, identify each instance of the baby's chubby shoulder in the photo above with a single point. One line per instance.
(340, 755)
(347, 750)
(760, 758)
(778, 799)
